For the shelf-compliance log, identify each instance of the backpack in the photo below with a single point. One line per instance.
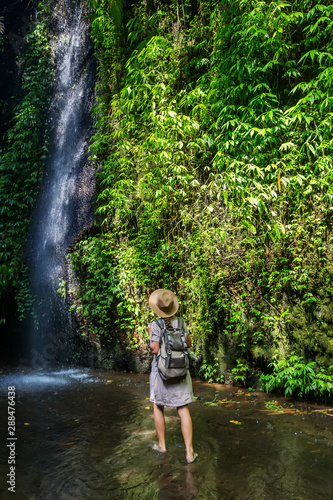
(172, 359)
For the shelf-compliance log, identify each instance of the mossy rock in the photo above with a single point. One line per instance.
(297, 318)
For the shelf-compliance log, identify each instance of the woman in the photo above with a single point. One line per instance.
(165, 304)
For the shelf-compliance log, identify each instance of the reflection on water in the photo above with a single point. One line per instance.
(89, 438)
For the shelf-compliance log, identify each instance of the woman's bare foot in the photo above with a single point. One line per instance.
(189, 460)
(157, 447)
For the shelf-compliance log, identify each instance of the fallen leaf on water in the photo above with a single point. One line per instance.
(26, 423)
(147, 408)
(275, 413)
(108, 381)
(235, 422)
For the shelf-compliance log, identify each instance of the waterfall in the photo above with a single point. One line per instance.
(64, 206)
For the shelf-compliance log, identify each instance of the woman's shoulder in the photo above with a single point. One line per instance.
(177, 318)
(174, 320)
(179, 322)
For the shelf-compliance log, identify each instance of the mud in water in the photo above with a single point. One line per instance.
(85, 435)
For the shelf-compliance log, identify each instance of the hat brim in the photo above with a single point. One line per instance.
(153, 303)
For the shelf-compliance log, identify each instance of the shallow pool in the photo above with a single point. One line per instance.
(82, 434)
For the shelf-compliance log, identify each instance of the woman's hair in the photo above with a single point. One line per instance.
(167, 322)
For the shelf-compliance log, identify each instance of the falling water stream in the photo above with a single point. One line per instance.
(65, 205)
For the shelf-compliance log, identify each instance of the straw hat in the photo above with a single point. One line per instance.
(164, 303)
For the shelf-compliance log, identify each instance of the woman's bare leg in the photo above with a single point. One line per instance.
(187, 430)
(160, 426)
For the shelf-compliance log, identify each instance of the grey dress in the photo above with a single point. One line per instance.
(165, 393)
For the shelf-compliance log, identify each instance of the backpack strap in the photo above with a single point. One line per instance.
(182, 334)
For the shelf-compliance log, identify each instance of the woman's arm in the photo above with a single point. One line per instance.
(155, 346)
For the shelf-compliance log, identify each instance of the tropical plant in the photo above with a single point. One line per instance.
(210, 372)
(295, 377)
(240, 372)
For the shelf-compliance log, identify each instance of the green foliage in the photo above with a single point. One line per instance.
(93, 261)
(62, 290)
(23, 156)
(214, 401)
(295, 377)
(214, 142)
(274, 405)
(113, 7)
(272, 108)
(240, 372)
(24, 298)
(210, 373)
